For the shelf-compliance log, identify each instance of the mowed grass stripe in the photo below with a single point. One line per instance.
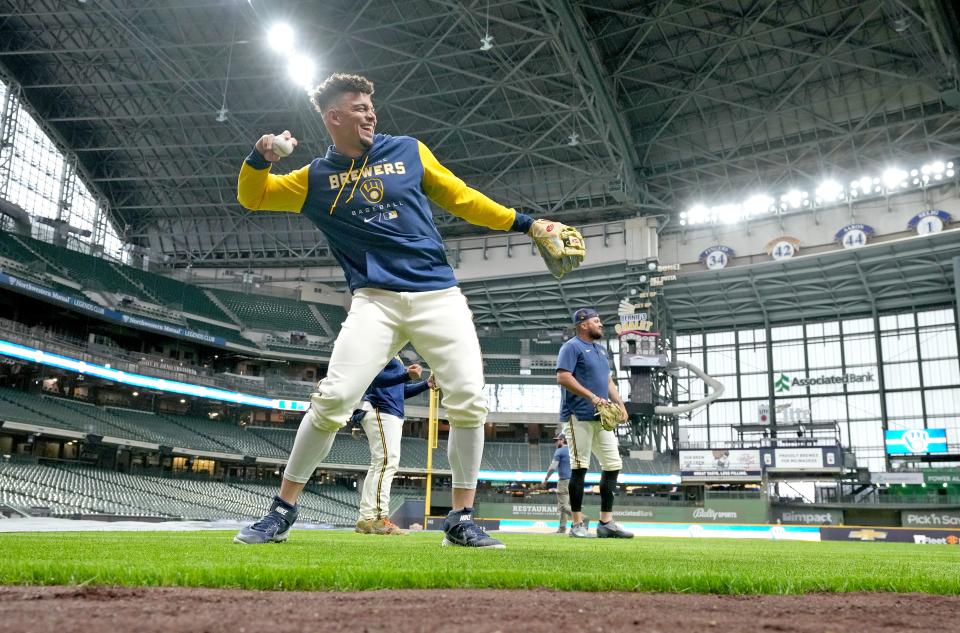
(346, 561)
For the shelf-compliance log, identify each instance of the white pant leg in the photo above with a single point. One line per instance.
(383, 434)
(580, 437)
(465, 452)
(310, 447)
(606, 448)
(370, 336)
(440, 327)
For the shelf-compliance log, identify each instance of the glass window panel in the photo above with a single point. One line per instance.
(897, 322)
(859, 350)
(752, 336)
(730, 389)
(863, 406)
(722, 435)
(788, 357)
(36, 169)
(905, 405)
(942, 401)
(901, 375)
(753, 358)
(827, 409)
(787, 333)
(824, 354)
(905, 423)
(722, 361)
(720, 338)
(853, 326)
(873, 460)
(754, 385)
(935, 317)
(899, 347)
(866, 434)
(694, 357)
(724, 414)
(941, 372)
(938, 342)
(827, 328)
(512, 398)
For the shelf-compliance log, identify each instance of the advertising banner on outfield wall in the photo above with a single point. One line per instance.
(720, 464)
(814, 458)
(941, 476)
(935, 519)
(806, 516)
(919, 536)
(713, 511)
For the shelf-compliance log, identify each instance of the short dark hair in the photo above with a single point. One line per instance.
(335, 85)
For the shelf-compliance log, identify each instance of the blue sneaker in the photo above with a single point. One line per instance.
(274, 527)
(459, 529)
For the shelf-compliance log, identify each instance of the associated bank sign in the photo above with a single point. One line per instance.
(786, 382)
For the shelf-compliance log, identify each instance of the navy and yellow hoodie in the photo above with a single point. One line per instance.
(389, 389)
(374, 211)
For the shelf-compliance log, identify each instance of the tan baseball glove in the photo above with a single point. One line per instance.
(561, 246)
(609, 415)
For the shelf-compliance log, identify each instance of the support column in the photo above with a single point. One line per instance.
(8, 131)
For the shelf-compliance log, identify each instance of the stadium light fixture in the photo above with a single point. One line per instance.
(757, 204)
(829, 190)
(728, 213)
(302, 70)
(793, 198)
(894, 177)
(280, 37)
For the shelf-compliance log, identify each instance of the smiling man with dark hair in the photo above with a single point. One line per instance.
(370, 196)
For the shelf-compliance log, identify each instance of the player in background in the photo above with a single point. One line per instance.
(583, 371)
(381, 414)
(561, 466)
(370, 196)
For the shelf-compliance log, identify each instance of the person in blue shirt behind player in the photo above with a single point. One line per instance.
(370, 195)
(381, 415)
(583, 371)
(561, 466)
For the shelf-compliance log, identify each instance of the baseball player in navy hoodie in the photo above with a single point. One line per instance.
(369, 195)
(381, 415)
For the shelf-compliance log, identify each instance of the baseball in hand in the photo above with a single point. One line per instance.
(282, 146)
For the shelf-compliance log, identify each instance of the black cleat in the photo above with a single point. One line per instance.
(459, 529)
(274, 527)
(612, 530)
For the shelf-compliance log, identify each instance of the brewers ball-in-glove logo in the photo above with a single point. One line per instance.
(372, 190)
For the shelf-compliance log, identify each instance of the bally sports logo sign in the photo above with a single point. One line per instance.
(786, 383)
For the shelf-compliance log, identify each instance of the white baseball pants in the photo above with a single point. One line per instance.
(585, 437)
(383, 434)
(439, 325)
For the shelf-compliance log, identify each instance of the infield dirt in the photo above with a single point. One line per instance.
(169, 610)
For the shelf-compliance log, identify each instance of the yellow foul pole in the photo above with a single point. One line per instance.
(433, 424)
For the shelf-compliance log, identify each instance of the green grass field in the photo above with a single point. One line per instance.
(347, 561)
